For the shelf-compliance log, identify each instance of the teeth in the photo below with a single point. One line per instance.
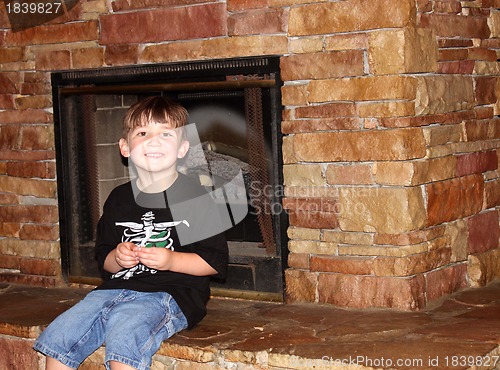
(154, 155)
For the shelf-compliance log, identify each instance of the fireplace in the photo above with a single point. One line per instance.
(236, 108)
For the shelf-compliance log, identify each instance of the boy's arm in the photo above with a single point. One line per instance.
(165, 259)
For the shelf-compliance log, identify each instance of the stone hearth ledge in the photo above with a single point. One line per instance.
(459, 332)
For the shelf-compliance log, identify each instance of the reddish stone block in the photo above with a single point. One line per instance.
(184, 23)
(482, 130)
(355, 291)
(484, 112)
(53, 60)
(121, 54)
(261, 21)
(486, 90)
(342, 264)
(37, 214)
(298, 261)
(9, 262)
(7, 84)
(31, 266)
(34, 280)
(456, 67)
(54, 34)
(445, 281)
(25, 116)
(492, 193)
(313, 219)
(327, 111)
(39, 232)
(315, 213)
(484, 232)
(121, 5)
(447, 25)
(454, 199)
(6, 101)
(238, 5)
(9, 135)
(326, 124)
(36, 88)
(17, 353)
(472, 163)
(44, 170)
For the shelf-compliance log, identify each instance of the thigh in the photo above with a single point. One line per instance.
(136, 328)
(79, 331)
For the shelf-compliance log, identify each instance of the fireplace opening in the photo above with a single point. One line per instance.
(236, 108)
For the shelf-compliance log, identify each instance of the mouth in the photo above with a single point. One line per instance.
(153, 155)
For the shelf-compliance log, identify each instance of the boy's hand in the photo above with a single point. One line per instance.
(125, 255)
(155, 258)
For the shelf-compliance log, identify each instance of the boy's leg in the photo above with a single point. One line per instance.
(114, 365)
(77, 332)
(53, 364)
(137, 327)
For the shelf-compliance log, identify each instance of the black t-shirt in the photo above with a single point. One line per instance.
(184, 219)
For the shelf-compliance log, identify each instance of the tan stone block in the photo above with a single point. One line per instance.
(483, 268)
(303, 233)
(322, 65)
(298, 261)
(386, 109)
(371, 250)
(370, 291)
(311, 192)
(347, 41)
(31, 249)
(343, 16)
(383, 210)
(414, 172)
(300, 285)
(303, 175)
(363, 88)
(494, 23)
(87, 58)
(444, 93)
(343, 237)
(398, 144)
(457, 236)
(439, 135)
(24, 186)
(294, 94)
(312, 247)
(305, 44)
(408, 50)
(486, 68)
(350, 174)
(288, 150)
(224, 47)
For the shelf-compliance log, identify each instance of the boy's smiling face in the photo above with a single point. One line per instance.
(154, 148)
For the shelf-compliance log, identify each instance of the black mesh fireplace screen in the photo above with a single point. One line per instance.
(236, 106)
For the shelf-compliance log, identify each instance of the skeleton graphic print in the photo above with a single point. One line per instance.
(147, 234)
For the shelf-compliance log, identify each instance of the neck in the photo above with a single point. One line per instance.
(156, 184)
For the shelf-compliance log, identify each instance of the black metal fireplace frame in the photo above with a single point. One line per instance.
(197, 75)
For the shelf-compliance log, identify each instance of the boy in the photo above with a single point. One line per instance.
(155, 265)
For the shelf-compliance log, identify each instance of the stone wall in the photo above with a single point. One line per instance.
(390, 120)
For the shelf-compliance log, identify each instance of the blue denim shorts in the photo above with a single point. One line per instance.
(131, 324)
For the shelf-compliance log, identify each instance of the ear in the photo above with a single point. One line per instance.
(183, 149)
(124, 148)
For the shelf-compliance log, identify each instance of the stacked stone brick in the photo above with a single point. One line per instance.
(390, 123)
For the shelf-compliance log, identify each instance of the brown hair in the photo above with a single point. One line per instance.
(155, 110)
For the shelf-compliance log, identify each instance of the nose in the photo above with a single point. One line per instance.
(154, 140)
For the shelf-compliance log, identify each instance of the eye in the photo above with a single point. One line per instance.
(141, 133)
(167, 134)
